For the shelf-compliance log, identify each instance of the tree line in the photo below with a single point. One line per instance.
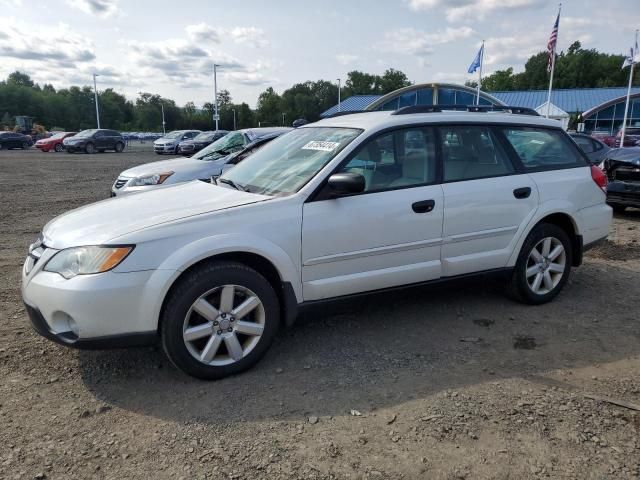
(73, 108)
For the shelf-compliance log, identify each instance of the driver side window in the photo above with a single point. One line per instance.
(403, 158)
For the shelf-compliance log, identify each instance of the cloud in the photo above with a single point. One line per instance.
(346, 58)
(99, 8)
(202, 32)
(410, 41)
(52, 46)
(457, 10)
(251, 36)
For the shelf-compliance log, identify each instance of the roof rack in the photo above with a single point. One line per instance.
(465, 108)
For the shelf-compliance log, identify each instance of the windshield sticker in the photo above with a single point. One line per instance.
(322, 146)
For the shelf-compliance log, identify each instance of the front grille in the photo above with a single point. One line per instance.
(120, 182)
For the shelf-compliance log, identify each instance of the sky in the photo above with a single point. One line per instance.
(170, 47)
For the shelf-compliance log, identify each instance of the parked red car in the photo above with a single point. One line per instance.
(605, 137)
(54, 142)
(631, 137)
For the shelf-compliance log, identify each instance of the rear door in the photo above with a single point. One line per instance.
(487, 202)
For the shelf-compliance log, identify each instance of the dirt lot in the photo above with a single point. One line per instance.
(453, 382)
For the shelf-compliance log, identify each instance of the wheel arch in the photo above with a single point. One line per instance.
(260, 263)
(566, 222)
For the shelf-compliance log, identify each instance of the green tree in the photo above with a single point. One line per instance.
(269, 110)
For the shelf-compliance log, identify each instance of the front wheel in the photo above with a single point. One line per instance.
(89, 148)
(59, 147)
(119, 147)
(220, 320)
(543, 266)
(25, 145)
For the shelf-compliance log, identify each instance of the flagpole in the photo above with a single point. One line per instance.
(480, 74)
(553, 65)
(626, 105)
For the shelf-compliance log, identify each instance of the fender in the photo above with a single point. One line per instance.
(544, 210)
(193, 252)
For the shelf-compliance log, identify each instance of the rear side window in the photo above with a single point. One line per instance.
(542, 149)
(470, 152)
(586, 145)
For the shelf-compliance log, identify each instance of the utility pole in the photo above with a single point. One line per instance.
(234, 118)
(339, 107)
(95, 96)
(634, 54)
(283, 117)
(163, 123)
(216, 117)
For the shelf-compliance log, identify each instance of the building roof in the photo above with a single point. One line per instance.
(570, 100)
(554, 111)
(352, 104)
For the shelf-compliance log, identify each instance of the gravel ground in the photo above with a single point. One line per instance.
(453, 382)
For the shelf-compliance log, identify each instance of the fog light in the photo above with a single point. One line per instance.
(64, 323)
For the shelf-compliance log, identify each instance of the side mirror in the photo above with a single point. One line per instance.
(346, 183)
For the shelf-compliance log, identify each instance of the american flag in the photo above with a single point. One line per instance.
(551, 45)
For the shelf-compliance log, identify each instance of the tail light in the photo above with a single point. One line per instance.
(599, 177)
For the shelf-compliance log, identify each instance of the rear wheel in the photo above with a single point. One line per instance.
(220, 320)
(90, 148)
(59, 147)
(25, 145)
(119, 147)
(543, 266)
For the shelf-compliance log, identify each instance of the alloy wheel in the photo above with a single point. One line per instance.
(224, 325)
(546, 265)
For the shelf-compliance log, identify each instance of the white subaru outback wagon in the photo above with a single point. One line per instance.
(347, 205)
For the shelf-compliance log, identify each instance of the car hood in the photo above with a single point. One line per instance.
(178, 165)
(101, 222)
(163, 140)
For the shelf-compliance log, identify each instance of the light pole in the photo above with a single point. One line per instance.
(339, 107)
(283, 117)
(95, 96)
(216, 117)
(163, 130)
(234, 118)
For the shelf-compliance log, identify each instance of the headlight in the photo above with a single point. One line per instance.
(86, 260)
(155, 179)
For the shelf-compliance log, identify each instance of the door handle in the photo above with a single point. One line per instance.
(424, 206)
(523, 192)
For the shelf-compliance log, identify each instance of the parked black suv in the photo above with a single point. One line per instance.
(90, 141)
(622, 167)
(14, 140)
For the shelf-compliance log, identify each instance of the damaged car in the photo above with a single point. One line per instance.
(622, 167)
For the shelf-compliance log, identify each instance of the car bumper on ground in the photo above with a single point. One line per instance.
(623, 193)
(94, 311)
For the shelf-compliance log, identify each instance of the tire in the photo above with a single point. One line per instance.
(211, 283)
(1, 146)
(523, 288)
(618, 208)
(25, 145)
(159, 153)
(89, 148)
(119, 147)
(59, 147)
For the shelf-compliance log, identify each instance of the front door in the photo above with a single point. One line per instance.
(487, 203)
(390, 234)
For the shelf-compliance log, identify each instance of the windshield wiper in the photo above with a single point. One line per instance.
(235, 185)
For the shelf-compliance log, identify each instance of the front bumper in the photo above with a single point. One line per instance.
(44, 147)
(164, 148)
(94, 311)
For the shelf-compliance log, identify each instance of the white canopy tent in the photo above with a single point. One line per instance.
(554, 112)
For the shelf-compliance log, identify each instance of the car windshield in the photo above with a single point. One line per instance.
(58, 135)
(86, 133)
(174, 134)
(286, 164)
(231, 142)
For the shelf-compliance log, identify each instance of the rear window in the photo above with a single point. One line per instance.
(542, 149)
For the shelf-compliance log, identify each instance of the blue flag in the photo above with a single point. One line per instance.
(476, 61)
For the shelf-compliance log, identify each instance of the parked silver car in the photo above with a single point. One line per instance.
(203, 165)
(169, 143)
